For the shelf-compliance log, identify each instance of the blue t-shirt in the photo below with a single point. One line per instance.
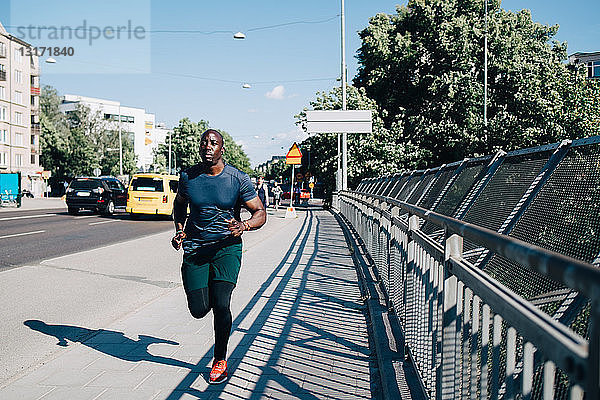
(212, 201)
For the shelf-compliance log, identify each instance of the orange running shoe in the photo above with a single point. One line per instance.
(218, 374)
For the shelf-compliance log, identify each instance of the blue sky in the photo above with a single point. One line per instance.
(200, 74)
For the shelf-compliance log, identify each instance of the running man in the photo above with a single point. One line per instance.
(211, 238)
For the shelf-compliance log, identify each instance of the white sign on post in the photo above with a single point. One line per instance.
(335, 121)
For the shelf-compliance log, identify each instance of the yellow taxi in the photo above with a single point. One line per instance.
(151, 194)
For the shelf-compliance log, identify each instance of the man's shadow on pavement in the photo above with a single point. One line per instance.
(111, 343)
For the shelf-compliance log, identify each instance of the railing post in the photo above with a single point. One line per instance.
(593, 372)
(335, 201)
(375, 222)
(410, 295)
(393, 266)
(446, 379)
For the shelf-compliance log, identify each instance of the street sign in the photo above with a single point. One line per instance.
(46, 174)
(336, 121)
(294, 156)
(97, 172)
(311, 185)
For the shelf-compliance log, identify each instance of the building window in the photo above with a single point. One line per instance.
(3, 158)
(18, 97)
(3, 136)
(593, 68)
(18, 118)
(33, 140)
(17, 55)
(33, 159)
(18, 139)
(2, 49)
(2, 93)
(19, 160)
(18, 76)
(3, 113)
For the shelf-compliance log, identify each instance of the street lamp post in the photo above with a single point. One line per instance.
(170, 170)
(120, 144)
(345, 134)
(485, 71)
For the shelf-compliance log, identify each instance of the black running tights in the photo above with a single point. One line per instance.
(217, 296)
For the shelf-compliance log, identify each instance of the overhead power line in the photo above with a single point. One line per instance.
(192, 76)
(260, 28)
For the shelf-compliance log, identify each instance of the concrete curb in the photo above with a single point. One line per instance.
(398, 378)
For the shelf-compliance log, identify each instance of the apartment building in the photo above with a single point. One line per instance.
(591, 62)
(19, 112)
(136, 124)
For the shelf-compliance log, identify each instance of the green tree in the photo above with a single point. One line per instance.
(423, 66)
(109, 163)
(77, 143)
(54, 138)
(185, 147)
(278, 171)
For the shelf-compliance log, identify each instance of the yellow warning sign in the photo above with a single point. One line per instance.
(294, 156)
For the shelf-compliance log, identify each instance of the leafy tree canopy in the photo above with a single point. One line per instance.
(77, 143)
(424, 66)
(421, 70)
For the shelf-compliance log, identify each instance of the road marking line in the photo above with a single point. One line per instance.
(103, 222)
(86, 216)
(27, 216)
(21, 234)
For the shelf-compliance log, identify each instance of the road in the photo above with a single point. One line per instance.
(30, 236)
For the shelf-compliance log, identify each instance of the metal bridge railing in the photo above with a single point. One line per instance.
(492, 299)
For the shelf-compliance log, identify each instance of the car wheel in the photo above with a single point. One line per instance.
(73, 210)
(109, 209)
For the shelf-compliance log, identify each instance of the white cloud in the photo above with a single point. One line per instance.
(278, 93)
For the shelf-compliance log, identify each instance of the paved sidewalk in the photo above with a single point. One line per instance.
(300, 331)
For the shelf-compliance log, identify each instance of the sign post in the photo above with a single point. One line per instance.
(293, 158)
(335, 121)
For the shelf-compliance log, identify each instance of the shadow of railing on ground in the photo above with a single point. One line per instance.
(298, 329)
(287, 353)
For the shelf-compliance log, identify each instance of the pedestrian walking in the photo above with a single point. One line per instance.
(263, 191)
(211, 238)
(277, 194)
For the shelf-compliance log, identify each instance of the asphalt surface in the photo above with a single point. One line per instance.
(31, 236)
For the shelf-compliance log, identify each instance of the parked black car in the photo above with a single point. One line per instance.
(102, 195)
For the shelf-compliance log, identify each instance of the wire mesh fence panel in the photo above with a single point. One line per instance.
(502, 193)
(456, 193)
(428, 200)
(400, 182)
(390, 185)
(414, 180)
(565, 215)
(421, 187)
